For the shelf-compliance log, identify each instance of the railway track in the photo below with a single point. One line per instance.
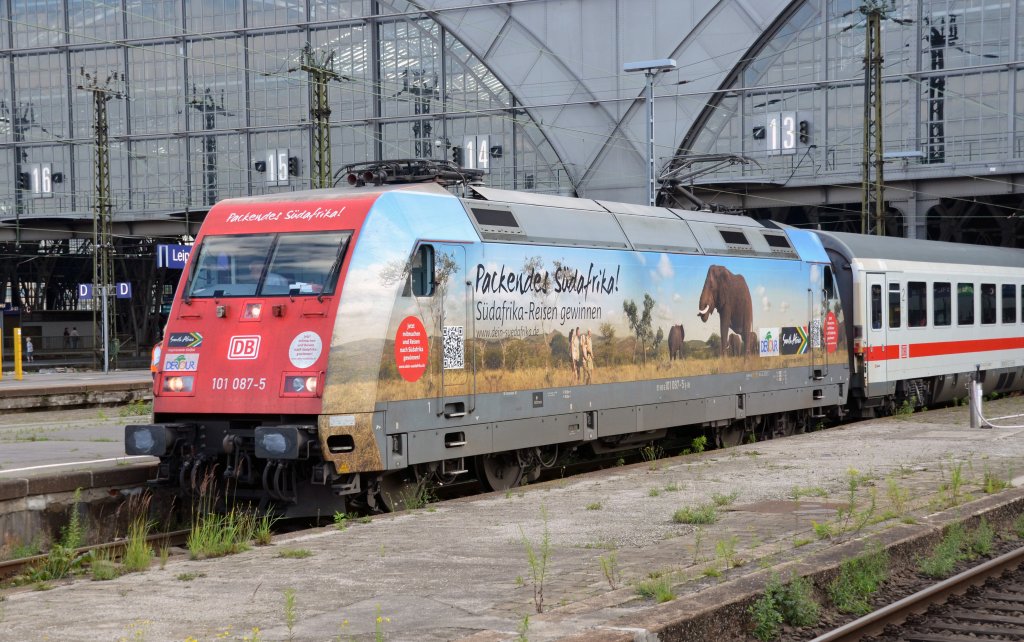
(12, 568)
(983, 603)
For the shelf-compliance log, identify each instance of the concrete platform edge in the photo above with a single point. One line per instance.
(128, 475)
(690, 618)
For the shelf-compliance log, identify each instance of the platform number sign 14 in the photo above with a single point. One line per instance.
(781, 133)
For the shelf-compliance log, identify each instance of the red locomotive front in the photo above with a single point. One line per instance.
(248, 338)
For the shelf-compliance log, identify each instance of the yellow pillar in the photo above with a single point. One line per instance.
(17, 354)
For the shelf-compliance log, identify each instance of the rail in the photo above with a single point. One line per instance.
(13, 568)
(897, 612)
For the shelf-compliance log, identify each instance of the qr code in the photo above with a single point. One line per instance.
(454, 347)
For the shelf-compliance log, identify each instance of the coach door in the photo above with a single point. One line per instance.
(816, 327)
(876, 339)
(454, 297)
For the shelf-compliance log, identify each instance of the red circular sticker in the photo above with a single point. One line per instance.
(831, 332)
(411, 349)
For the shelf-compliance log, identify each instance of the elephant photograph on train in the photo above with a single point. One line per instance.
(676, 342)
(728, 294)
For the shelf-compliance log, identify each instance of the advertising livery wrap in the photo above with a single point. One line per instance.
(522, 315)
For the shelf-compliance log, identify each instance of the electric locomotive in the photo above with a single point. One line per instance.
(334, 348)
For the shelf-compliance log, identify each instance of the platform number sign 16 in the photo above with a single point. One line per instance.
(781, 133)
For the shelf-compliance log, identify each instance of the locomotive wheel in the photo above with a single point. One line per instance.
(499, 471)
(398, 493)
(732, 435)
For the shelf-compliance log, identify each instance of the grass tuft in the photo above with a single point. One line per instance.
(859, 579)
(657, 588)
(705, 514)
(295, 553)
(946, 554)
(791, 603)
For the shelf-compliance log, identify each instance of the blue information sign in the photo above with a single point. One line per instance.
(85, 291)
(172, 256)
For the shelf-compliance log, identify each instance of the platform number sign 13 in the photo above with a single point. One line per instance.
(781, 133)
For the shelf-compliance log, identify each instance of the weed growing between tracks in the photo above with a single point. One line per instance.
(945, 556)
(216, 534)
(62, 558)
(859, 579)
(792, 603)
(136, 408)
(138, 554)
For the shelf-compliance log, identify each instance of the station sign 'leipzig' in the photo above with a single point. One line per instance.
(172, 256)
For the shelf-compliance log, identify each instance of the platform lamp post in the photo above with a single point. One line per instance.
(651, 68)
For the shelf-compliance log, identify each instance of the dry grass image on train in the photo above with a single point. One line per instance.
(544, 362)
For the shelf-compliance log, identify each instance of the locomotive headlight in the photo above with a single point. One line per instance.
(305, 385)
(252, 311)
(178, 384)
(282, 442)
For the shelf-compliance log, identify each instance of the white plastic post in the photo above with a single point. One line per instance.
(977, 420)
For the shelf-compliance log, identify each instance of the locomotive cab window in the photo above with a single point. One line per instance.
(895, 313)
(1009, 303)
(422, 271)
(287, 264)
(942, 300)
(988, 303)
(917, 304)
(965, 303)
(829, 285)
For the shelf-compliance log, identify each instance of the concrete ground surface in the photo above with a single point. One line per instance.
(42, 433)
(460, 568)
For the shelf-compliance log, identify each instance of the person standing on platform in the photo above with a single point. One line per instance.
(28, 349)
(67, 338)
(74, 337)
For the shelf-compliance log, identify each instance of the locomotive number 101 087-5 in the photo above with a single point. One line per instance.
(239, 383)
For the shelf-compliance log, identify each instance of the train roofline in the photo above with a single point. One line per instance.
(859, 246)
(336, 193)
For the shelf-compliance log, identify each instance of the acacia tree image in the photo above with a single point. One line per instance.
(640, 323)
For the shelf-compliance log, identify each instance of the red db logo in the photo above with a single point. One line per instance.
(244, 348)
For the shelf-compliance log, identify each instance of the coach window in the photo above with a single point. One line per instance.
(422, 272)
(988, 303)
(1009, 303)
(876, 307)
(942, 301)
(965, 303)
(917, 304)
(894, 305)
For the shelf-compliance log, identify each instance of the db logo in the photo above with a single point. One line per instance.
(245, 347)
